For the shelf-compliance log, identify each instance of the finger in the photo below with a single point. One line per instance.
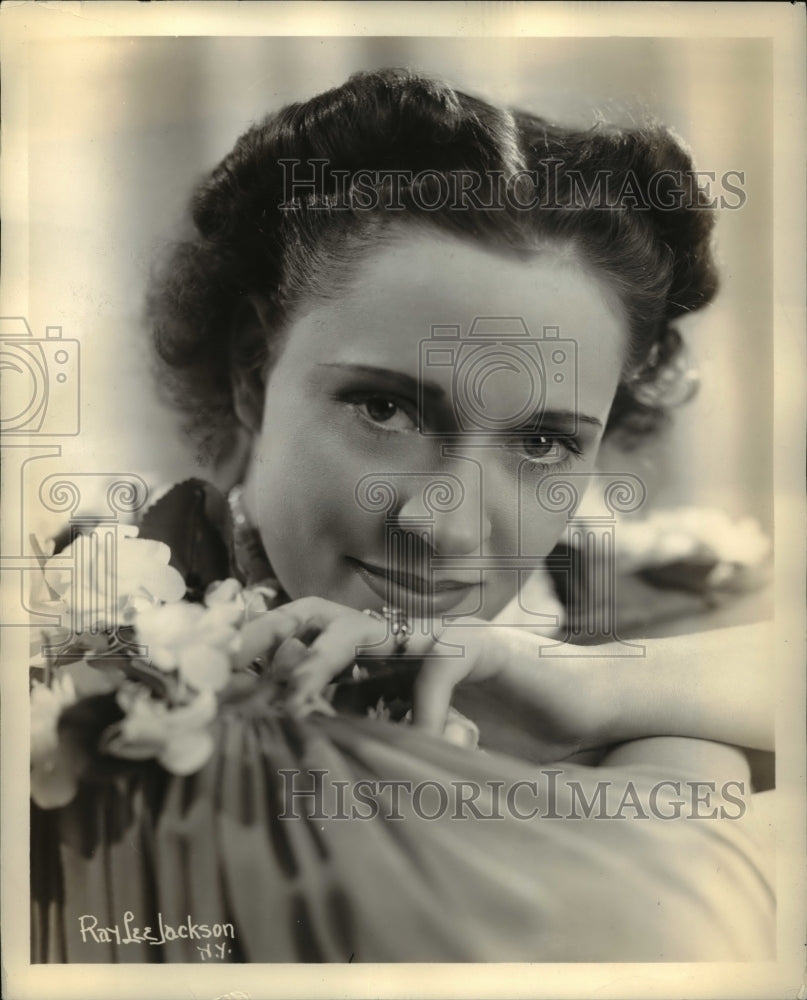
(324, 614)
(434, 687)
(354, 636)
(288, 656)
(263, 635)
(333, 650)
(316, 610)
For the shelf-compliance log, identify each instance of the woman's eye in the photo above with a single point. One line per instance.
(547, 450)
(381, 410)
(384, 411)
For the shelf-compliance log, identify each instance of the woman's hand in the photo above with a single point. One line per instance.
(311, 641)
(548, 697)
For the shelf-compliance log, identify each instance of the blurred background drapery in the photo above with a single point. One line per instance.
(122, 128)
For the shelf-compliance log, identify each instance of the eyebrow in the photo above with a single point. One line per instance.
(437, 397)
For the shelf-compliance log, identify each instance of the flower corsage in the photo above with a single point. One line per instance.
(135, 669)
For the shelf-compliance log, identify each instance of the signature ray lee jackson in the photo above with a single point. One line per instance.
(129, 933)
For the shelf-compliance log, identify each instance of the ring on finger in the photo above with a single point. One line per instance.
(398, 624)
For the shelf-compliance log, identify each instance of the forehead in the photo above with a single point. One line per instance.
(419, 287)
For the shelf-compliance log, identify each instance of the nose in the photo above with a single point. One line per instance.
(453, 506)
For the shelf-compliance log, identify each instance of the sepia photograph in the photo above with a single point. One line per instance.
(403, 500)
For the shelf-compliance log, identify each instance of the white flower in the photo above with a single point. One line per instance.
(53, 772)
(223, 592)
(204, 667)
(166, 630)
(699, 534)
(223, 616)
(144, 571)
(179, 738)
(187, 752)
(742, 542)
(47, 704)
(194, 639)
(674, 546)
(258, 600)
(81, 587)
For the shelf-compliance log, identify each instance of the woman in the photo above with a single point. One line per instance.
(349, 257)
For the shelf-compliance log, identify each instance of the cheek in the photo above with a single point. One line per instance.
(544, 506)
(306, 475)
(538, 532)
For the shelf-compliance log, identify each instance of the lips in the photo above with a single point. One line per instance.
(409, 591)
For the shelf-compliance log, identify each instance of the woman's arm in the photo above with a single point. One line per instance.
(708, 686)
(716, 762)
(718, 692)
(713, 685)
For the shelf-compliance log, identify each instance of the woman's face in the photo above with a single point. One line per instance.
(463, 425)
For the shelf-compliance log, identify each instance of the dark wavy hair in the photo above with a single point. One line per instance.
(646, 230)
